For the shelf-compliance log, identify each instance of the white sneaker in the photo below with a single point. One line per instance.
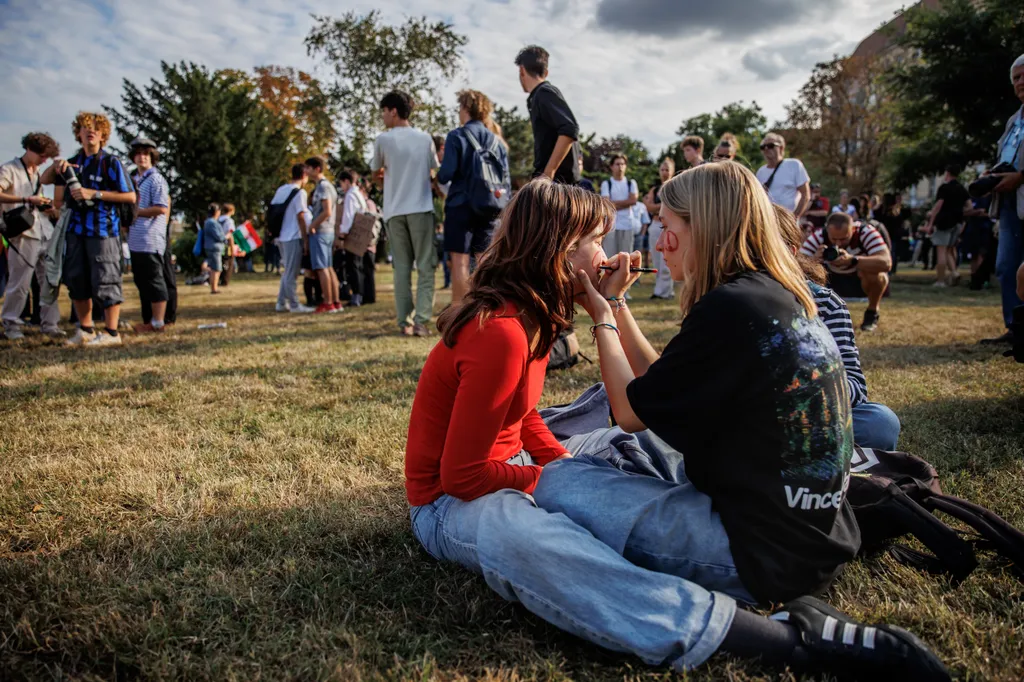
(104, 339)
(301, 309)
(940, 285)
(13, 333)
(281, 308)
(80, 338)
(56, 334)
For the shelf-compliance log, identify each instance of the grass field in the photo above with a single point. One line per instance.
(228, 505)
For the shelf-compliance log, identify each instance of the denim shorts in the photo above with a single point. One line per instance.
(215, 259)
(321, 250)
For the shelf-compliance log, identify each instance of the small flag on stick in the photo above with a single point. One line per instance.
(246, 238)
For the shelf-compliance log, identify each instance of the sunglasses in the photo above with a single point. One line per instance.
(723, 157)
(770, 145)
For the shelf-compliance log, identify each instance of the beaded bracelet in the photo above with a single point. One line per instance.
(593, 330)
(620, 303)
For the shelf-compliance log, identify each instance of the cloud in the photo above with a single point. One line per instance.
(771, 61)
(732, 19)
(644, 89)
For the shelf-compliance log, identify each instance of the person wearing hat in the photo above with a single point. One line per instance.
(147, 236)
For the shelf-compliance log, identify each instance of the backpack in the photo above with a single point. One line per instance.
(489, 184)
(895, 494)
(634, 219)
(276, 214)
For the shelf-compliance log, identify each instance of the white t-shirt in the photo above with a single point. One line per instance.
(14, 180)
(290, 226)
(620, 191)
(407, 156)
(791, 175)
(850, 209)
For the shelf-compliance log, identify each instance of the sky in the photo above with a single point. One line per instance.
(638, 67)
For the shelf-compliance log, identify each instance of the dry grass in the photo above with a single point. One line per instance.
(229, 504)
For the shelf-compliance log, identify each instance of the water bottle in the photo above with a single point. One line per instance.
(71, 182)
(215, 325)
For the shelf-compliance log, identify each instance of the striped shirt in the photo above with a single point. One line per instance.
(833, 312)
(149, 235)
(866, 241)
(100, 219)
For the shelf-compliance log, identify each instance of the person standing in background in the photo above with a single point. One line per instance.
(292, 241)
(405, 159)
(19, 186)
(353, 204)
(623, 194)
(556, 147)
(786, 180)
(213, 246)
(227, 227)
(322, 235)
(147, 236)
(664, 287)
(945, 222)
(818, 209)
(585, 183)
(693, 150)
(467, 234)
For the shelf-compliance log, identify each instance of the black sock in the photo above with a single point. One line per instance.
(112, 332)
(754, 636)
(87, 330)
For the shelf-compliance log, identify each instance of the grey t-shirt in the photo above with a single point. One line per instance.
(324, 190)
(407, 156)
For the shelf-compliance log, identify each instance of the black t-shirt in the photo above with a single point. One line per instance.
(550, 117)
(754, 394)
(894, 223)
(953, 196)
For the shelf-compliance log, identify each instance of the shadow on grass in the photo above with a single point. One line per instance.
(293, 593)
(896, 356)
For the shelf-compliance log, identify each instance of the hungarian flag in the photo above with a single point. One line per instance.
(246, 238)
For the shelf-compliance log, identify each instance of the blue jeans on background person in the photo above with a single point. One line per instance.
(579, 564)
(875, 426)
(1010, 254)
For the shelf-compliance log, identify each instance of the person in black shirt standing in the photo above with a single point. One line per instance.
(945, 223)
(556, 147)
(731, 460)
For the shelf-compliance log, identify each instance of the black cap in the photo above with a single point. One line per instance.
(143, 142)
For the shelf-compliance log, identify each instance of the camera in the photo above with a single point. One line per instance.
(985, 184)
(71, 183)
(830, 253)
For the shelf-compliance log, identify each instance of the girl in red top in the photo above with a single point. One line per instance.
(474, 428)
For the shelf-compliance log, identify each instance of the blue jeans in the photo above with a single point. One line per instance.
(565, 574)
(875, 426)
(1010, 254)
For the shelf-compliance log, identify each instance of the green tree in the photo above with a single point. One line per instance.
(747, 123)
(950, 81)
(841, 123)
(218, 143)
(369, 58)
(518, 134)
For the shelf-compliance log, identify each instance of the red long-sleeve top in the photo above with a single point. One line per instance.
(475, 407)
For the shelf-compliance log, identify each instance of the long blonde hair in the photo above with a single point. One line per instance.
(734, 230)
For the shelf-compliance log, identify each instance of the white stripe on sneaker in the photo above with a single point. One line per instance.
(828, 631)
(849, 634)
(869, 638)
(781, 615)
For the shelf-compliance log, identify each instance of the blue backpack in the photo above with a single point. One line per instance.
(489, 186)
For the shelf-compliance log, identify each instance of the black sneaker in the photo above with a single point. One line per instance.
(836, 644)
(870, 323)
(1006, 339)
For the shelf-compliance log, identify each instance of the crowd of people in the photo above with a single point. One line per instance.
(609, 533)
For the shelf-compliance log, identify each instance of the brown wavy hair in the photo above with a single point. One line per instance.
(527, 263)
(794, 238)
(479, 107)
(98, 122)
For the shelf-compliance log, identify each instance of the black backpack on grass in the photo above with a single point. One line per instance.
(895, 494)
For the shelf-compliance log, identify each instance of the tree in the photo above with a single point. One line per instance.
(218, 143)
(747, 123)
(370, 58)
(951, 84)
(841, 122)
(299, 100)
(597, 157)
(518, 134)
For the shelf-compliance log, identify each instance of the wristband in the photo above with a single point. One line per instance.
(99, 195)
(593, 330)
(620, 303)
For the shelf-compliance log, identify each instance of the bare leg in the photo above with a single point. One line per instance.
(460, 276)
(159, 308)
(940, 263)
(83, 309)
(111, 316)
(325, 284)
(874, 285)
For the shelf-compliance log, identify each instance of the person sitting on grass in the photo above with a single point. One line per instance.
(477, 447)
(213, 246)
(857, 261)
(874, 425)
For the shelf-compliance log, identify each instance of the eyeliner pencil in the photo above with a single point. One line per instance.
(651, 270)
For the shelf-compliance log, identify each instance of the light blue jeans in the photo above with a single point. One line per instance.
(632, 562)
(875, 426)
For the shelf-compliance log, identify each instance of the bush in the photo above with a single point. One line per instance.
(182, 250)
